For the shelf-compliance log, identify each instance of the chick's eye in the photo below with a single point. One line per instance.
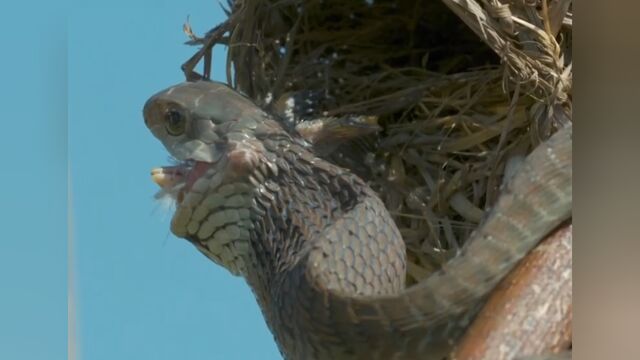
(174, 122)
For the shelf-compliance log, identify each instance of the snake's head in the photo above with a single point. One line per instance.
(215, 133)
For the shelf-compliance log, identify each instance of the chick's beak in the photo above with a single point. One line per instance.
(168, 176)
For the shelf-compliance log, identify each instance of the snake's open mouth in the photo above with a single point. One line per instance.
(177, 180)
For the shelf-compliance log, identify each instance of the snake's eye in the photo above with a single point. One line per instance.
(175, 122)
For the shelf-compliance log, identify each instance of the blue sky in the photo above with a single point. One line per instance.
(33, 251)
(141, 292)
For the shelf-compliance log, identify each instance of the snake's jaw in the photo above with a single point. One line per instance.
(194, 150)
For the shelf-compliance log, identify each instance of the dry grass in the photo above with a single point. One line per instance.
(463, 89)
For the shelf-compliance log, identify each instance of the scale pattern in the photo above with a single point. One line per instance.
(317, 246)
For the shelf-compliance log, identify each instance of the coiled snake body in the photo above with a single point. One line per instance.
(317, 246)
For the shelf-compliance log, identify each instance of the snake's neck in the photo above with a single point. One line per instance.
(292, 206)
(302, 239)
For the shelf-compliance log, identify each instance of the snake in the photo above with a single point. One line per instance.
(321, 253)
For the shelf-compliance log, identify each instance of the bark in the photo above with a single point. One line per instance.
(530, 311)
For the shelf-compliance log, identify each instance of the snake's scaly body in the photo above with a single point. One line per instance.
(317, 246)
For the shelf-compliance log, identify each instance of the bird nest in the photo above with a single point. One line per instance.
(462, 91)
